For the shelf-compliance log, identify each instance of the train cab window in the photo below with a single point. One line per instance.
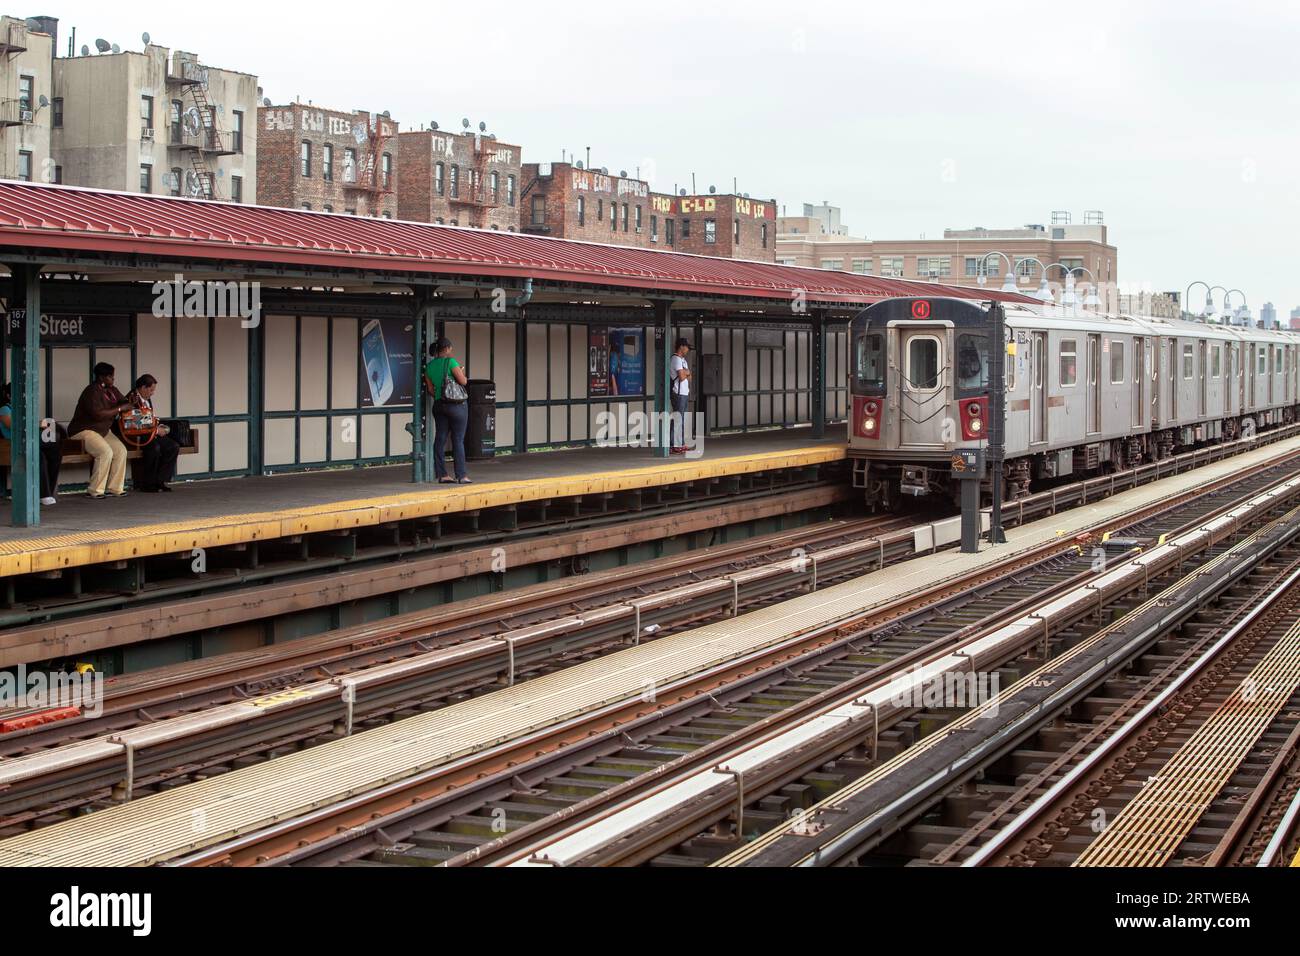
(1069, 363)
(1116, 362)
(923, 362)
(871, 362)
(1189, 363)
(972, 361)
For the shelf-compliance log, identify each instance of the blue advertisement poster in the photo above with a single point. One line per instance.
(627, 361)
(386, 369)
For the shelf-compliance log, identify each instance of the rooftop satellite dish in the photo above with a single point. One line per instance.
(146, 38)
(386, 115)
(103, 46)
(267, 101)
(465, 123)
(482, 127)
(746, 195)
(683, 192)
(85, 50)
(34, 25)
(433, 124)
(623, 173)
(116, 48)
(713, 190)
(579, 165)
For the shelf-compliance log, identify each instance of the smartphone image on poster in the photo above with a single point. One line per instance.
(379, 373)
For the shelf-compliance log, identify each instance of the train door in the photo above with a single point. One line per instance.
(1094, 384)
(1249, 398)
(1038, 388)
(1203, 348)
(1174, 374)
(1272, 373)
(1139, 379)
(923, 399)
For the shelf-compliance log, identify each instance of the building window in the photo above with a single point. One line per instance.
(349, 165)
(388, 170)
(176, 179)
(891, 266)
(327, 163)
(439, 221)
(439, 186)
(763, 234)
(146, 112)
(24, 92)
(327, 208)
(835, 264)
(934, 266)
(668, 230)
(613, 217)
(710, 231)
(494, 183)
(237, 134)
(350, 212)
(306, 159)
(539, 210)
(1026, 268)
(25, 166)
(388, 215)
(236, 188)
(861, 266)
(510, 190)
(307, 206)
(57, 112)
(582, 210)
(177, 108)
(654, 226)
(625, 217)
(638, 219)
(455, 182)
(600, 210)
(686, 229)
(1069, 363)
(58, 175)
(735, 234)
(146, 178)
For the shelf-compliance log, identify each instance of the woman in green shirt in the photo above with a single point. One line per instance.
(450, 418)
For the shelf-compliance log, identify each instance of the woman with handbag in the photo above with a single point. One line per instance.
(446, 381)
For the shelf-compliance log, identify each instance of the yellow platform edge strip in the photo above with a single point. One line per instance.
(36, 555)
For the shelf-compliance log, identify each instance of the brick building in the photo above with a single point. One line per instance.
(567, 202)
(326, 160)
(461, 179)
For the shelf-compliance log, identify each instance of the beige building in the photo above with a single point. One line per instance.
(149, 121)
(156, 122)
(962, 257)
(26, 97)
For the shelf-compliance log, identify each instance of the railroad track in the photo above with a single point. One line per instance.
(488, 815)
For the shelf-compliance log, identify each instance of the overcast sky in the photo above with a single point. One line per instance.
(1179, 119)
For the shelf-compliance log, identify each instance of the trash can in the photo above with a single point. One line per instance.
(481, 433)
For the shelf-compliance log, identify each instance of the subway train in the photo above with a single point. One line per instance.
(1086, 393)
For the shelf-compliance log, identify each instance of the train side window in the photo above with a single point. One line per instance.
(1216, 366)
(1116, 362)
(1263, 360)
(871, 362)
(1189, 363)
(1069, 363)
(972, 361)
(923, 362)
(1277, 363)
(1011, 360)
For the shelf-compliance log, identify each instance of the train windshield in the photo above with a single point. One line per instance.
(870, 366)
(972, 361)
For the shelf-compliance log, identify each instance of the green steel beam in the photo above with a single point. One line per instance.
(25, 346)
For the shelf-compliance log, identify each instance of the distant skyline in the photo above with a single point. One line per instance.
(1177, 120)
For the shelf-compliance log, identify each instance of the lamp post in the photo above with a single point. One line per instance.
(1243, 310)
(1044, 293)
(1209, 297)
(1008, 281)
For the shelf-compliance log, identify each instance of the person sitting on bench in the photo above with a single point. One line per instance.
(92, 424)
(158, 458)
(51, 451)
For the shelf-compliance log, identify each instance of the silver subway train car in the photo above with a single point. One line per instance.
(1086, 393)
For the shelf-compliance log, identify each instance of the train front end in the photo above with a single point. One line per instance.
(919, 382)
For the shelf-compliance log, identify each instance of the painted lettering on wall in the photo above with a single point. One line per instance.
(662, 204)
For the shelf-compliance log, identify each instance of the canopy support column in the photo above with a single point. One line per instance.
(25, 344)
(421, 434)
(663, 407)
(817, 337)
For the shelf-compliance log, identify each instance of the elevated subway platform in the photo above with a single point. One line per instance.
(160, 827)
(80, 532)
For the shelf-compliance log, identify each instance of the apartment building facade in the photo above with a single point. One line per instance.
(328, 160)
(459, 179)
(26, 98)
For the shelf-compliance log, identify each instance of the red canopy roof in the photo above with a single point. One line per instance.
(70, 220)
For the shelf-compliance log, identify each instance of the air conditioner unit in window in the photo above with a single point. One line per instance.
(27, 116)
(146, 132)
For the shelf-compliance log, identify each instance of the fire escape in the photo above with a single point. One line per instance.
(477, 196)
(197, 132)
(370, 179)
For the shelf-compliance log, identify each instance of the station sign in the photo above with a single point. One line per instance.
(968, 463)
(61, 329)
(759, 339)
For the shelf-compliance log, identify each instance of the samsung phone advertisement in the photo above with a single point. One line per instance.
(386, 368)
(616, 362)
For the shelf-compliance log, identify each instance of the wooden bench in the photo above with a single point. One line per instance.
(74, 453)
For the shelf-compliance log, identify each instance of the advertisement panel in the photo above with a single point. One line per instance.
(386, 368)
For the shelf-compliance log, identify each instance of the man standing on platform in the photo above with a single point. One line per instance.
(681, 395)
(92, 425)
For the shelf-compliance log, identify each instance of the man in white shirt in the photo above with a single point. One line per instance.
(681, 394)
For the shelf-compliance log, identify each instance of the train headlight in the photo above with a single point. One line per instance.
(869, 426)
(976, 426)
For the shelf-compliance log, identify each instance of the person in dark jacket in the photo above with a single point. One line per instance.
(158, 458)
(92, 424)
(51, 450)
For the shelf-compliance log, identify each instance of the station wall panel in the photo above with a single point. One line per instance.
(230, 446)
(313, 367)
(374, 435)
(278, 441)
(279, 353)
(311, 439)
(153, 355)
(343, 373)
(192, 360)
(230, 369)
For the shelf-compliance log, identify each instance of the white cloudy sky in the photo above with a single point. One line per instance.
(1178, 118)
